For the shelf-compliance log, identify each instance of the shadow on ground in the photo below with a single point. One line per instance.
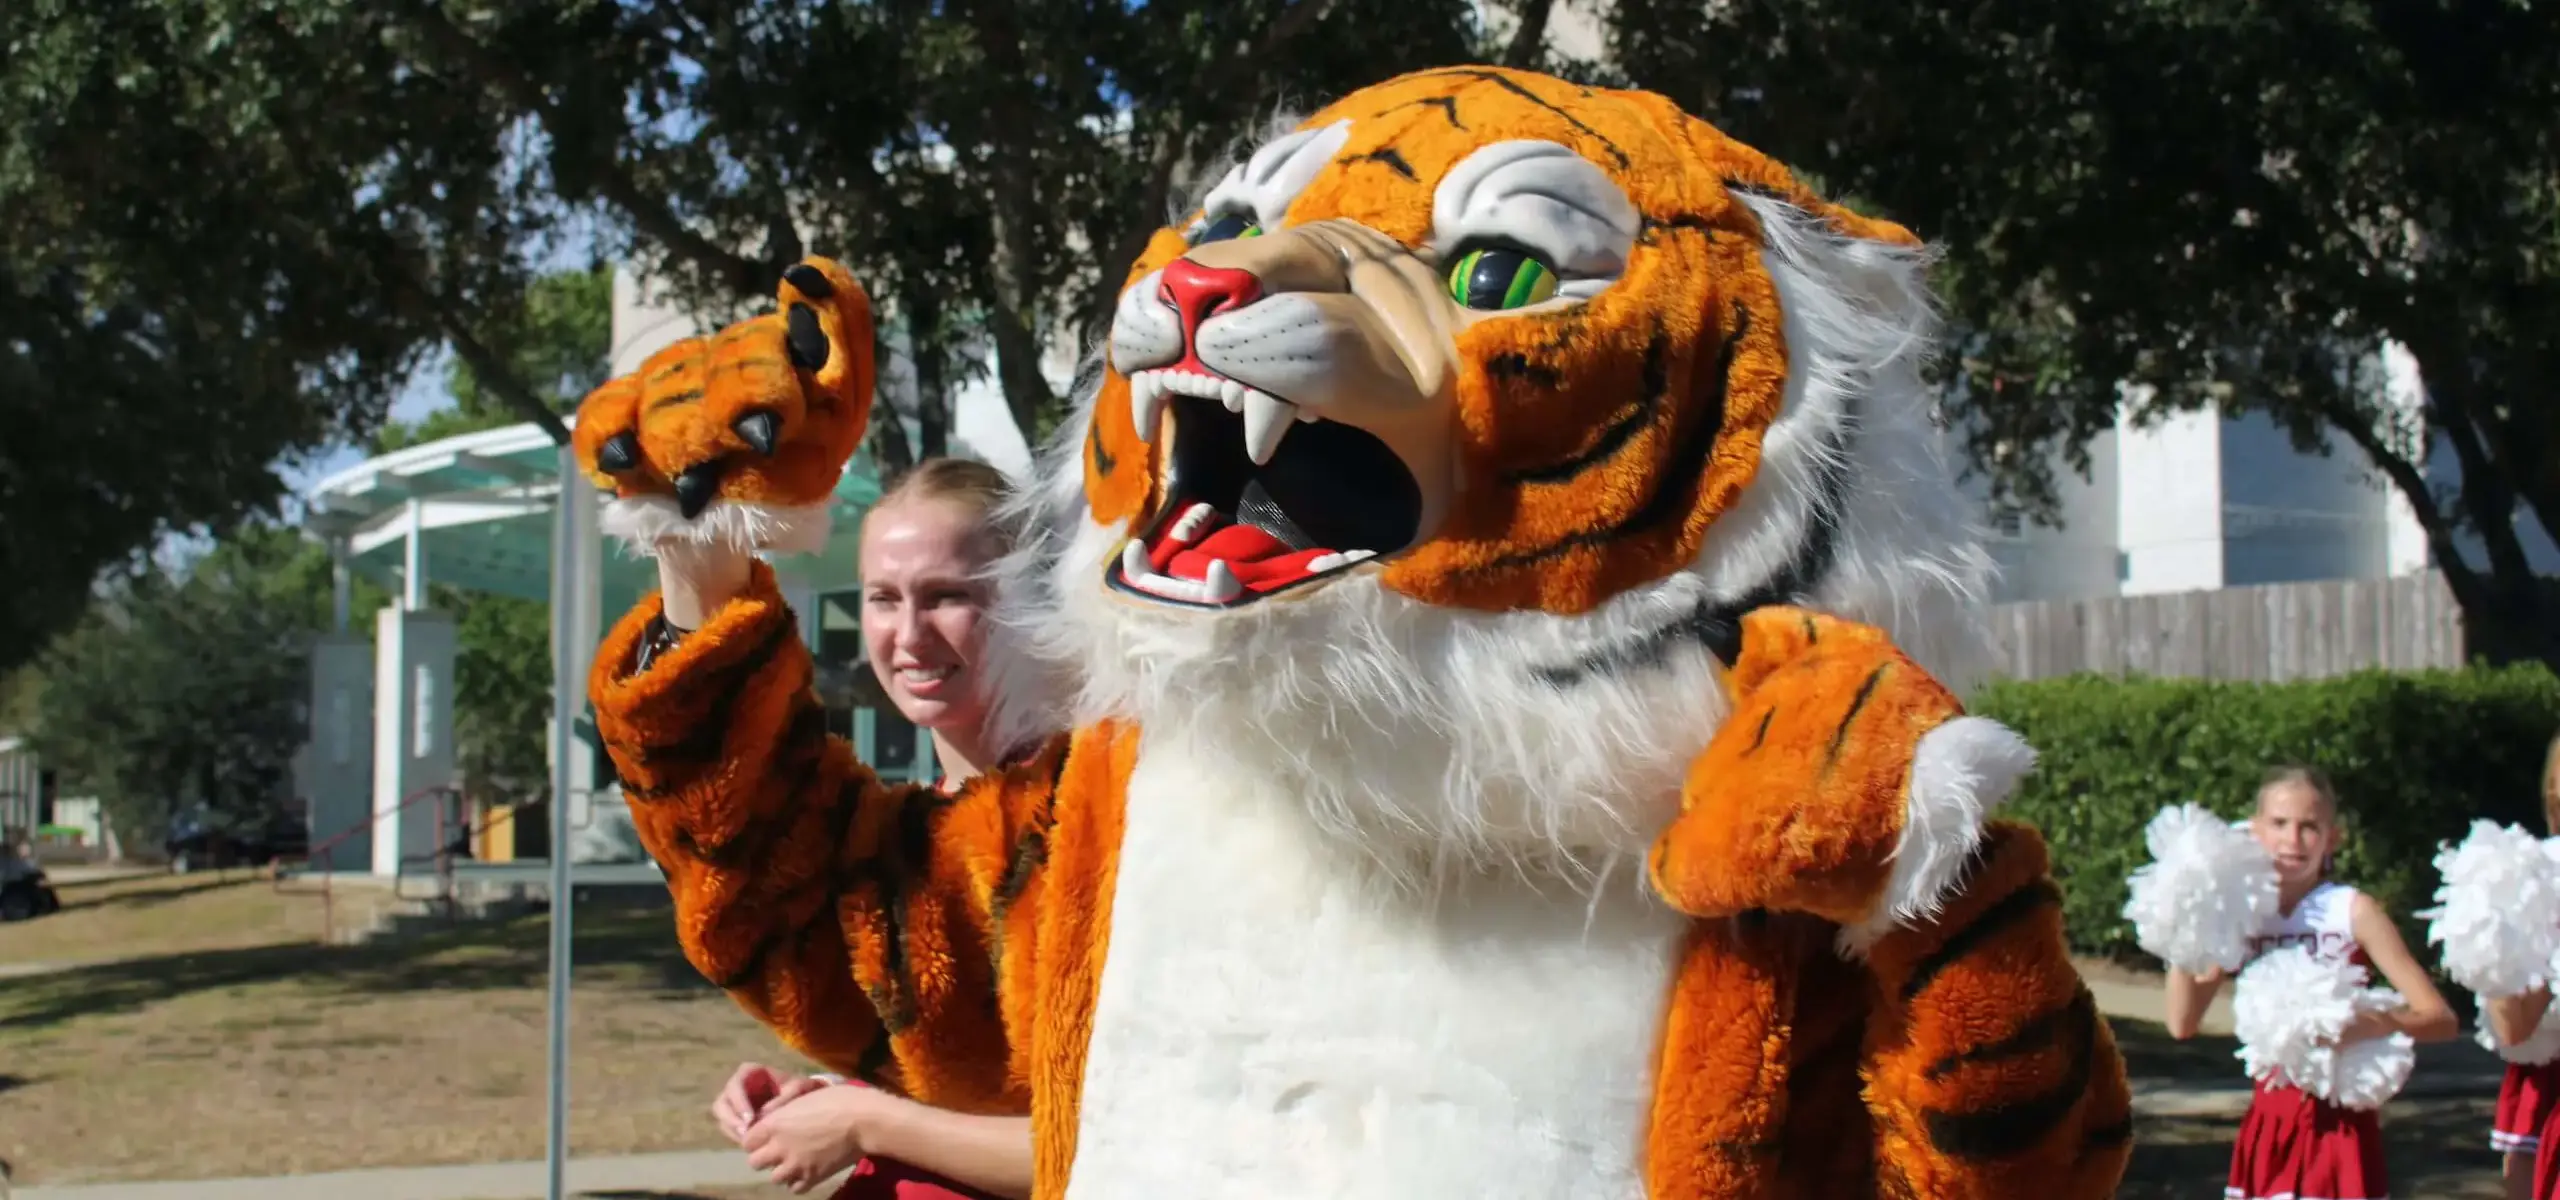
(81, 896)
(627, 942)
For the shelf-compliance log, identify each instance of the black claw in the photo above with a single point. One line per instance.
(757, 429)
(806, 341)
(621, 452)
(695, 488)
(811, 281)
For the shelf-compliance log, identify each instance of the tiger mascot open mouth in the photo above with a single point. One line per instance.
(1494, 484)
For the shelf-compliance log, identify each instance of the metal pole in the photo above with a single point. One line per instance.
(568, 694)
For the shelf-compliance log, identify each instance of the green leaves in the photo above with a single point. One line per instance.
(2416, 756)
(2229, 203)
(189, 687)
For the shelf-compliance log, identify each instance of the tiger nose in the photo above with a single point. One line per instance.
(1199, 293)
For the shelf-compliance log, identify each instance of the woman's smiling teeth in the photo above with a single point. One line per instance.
(925, 674)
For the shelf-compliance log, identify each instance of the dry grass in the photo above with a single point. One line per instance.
(281, 1059)
(146, 915)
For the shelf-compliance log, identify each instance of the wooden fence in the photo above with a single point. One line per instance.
(2271, 632)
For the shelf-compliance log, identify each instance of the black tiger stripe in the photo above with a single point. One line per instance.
(808, 722)
(1506, 84)
(2011, 909)
(1746, 1149)
(1517, 366)
(1857, 704)
(672, 399)
(2108, 1136)
(2006, 1130)
(744, 362)
(840, 816)
(1752, 188)
(2074, 1017)
(701, 746)
(875, 1061)
(1103, 461)
(756, 836)
(1683, 469)
(1385, 155)
(1650, 391)
(678, 367)
(1715, 622)
(1448, 106)
(1648, 227)
(1761, 734)
(916, 811)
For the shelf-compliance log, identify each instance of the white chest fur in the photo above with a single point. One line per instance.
(1272, 1026)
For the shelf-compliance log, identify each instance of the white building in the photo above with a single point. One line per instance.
(2200, 501)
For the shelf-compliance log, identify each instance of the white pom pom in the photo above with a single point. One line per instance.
(2208, 888)
(2498, 914)
(2534, 1051)
(2288, 1010)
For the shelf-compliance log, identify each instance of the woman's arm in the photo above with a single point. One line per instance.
(2424, 1016)
(991, 1154)
(2189, 996)
(2515, 1019)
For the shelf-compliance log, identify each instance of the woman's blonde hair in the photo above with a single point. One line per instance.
(981, 489)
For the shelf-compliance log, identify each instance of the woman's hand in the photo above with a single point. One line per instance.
(2367, 1026)
(816, 1134)
(752, 1090)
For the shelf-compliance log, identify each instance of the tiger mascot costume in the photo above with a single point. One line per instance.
(1476, 505)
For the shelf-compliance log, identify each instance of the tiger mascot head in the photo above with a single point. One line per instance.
(1432, 463)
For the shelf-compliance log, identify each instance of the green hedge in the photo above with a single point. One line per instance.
(2416, 757)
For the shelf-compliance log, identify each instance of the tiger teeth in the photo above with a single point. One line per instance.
(1335, 562)
(1220, 585)
(1187, 528)
(1267, 417)
(1266, 421)
(1146, 403)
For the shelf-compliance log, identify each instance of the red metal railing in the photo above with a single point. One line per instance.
(319, 859)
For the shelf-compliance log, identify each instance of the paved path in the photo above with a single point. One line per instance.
(482, 1181)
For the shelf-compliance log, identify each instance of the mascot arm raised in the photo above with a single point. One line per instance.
(839, 909)
(1849, 785)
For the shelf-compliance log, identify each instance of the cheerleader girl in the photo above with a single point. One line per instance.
(2526, 1097)
(2292, 1145)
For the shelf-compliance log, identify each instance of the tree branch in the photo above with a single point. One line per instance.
(2469, 590)
(598, 167)
(1531, 36)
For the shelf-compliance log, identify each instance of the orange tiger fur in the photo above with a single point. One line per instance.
(953, 946)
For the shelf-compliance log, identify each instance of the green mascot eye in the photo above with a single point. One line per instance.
(1232, 225)
(1500, 279)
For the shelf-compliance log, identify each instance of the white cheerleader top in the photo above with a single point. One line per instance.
(2323, 922)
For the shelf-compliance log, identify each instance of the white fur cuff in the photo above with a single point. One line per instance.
(1961, 770)
(646, 522)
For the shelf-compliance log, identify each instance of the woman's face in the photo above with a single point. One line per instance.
(2297, 828)
(924, 610)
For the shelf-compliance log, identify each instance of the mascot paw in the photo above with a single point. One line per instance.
(2499, 910)
(2208, 887)
(737, 439)
(1848, 784)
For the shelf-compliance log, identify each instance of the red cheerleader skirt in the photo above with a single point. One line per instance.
(2525, 1099)
(2293, 1146)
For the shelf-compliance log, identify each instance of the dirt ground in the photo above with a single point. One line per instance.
(258, 1054)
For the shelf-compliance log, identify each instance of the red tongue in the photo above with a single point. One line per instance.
(1251, 553)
